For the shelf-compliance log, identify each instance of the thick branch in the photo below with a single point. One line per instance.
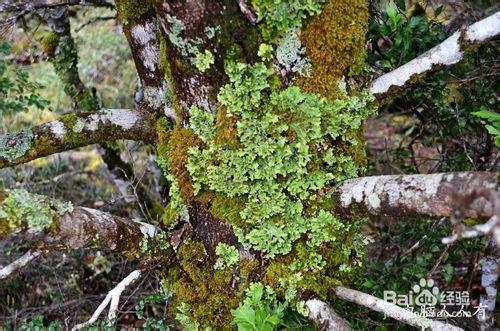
(53, 224)
(142, 35)
(391, 310)
(73, 131)
(446, 54)
(474, 194)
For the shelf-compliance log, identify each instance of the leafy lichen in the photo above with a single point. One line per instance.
(23, 210)
(227, 256)
(15, 145)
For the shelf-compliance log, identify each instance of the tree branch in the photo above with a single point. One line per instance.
(53, 225)
(73, 131)
(112, 298)
(20, 263)
(325, 317)
(31, 6)
(143, 37)
(446, 54)
(391, 310)
(430, 195)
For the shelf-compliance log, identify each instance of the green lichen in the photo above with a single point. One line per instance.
(265, 52)
(23, 210)
(286, 156)
(204, 60)
(291, 55)
(281, 16)
(188, 48)
(228, 256)
(211, 31)
(15, 145)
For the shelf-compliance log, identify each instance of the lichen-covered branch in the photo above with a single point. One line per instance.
(446, 54)
(73, 131)
(61, 49)
(391, 310)
(325, 317)
(473, 194)
(53, 224)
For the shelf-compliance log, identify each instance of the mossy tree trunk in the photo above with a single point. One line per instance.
(205, 47)
(256, 111)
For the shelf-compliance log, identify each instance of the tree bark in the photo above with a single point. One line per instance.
(73, 131)
(473, 194)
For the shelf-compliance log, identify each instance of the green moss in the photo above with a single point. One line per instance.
(49, 43)
(22, 210)
(179, 141)
(209, 294)
(335, 44)
(132, 10)
(64, 56)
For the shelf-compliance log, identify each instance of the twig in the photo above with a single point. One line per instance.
(438, 262)
(391, 310)
(94, 20)
(112, 298)
(18, 264)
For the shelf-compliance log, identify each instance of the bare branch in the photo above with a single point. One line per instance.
(430, 195)
(391, 310)
(446, 54)
(325, 317)
(492, 226)
(20, 263)
(73, 131)
(113, 298)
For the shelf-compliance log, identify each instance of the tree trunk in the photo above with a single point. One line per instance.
(214, 55)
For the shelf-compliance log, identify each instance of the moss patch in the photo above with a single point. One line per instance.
(335, 43)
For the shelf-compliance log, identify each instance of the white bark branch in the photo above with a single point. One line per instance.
(446, 54)
(112, 298)
(20, 263)
(73, 131)
(478, 230)
(474, 194)
(325, 317)
(391, 310)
